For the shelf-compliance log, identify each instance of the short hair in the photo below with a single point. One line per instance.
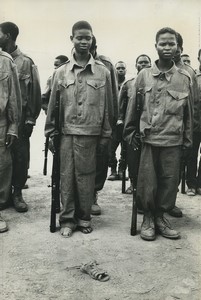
(81, 25)
(120, 62)
(11, 28)
(143, 55)
(199, 52)
(165, 30)
(179, 40)
(62, 58)
(185, 55)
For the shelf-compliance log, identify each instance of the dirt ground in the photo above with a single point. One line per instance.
(37, 264)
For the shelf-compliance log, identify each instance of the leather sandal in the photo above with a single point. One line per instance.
(94, 272)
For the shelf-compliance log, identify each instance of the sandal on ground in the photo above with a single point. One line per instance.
(85, 230)
(94, 272)
(66, 232)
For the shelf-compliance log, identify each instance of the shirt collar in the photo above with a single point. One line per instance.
(91, 63)
(15, 53)
(168, 74)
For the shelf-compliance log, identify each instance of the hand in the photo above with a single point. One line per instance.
(28, 128)
(10, 140)
(135, 141)
(51, 144)
(102, 145)
(119, 129)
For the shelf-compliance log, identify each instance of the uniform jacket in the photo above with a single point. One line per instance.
(10, 95)
(125, 94)
(166, 111)
(194, 95)
(198, 79)
(113, 102)
(29, 85)
(84, 96)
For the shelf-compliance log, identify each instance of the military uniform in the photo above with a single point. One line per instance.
(165, 127)
(85, 125)
(31, 106)
(10, 114)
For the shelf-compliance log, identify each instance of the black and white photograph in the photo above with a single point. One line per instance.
(100, 165)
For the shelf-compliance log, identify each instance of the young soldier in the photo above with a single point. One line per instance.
(85, 87)
(185, 58)
(120, 67)
(31, 105)
(10, 114)
(165, 127)
(102, 157)
(59, 60)
(142, 61)
(191, 159)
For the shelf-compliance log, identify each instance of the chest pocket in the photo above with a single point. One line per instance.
(67, 89)
(95, 91)
(175, 103)
(25, 80)
(3, 92)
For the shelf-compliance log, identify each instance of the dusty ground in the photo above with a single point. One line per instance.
(37, 264)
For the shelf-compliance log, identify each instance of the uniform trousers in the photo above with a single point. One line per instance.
(5, 168)
(158, 178)
(77, 174)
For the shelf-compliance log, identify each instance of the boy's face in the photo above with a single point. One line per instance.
(121, 69)
(166, 46)
(3, 38)
(142, 62)
(82, 40)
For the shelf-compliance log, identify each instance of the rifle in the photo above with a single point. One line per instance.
(124, 148)
(55, 201)
(183, 177)
(139, 101)
(45, 156)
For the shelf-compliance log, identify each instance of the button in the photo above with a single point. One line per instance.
(80, 80)
(79, 114)
(95, 85)
(157, 102)
(155, 114)
(161, 78)
(159, 90)
(80, 103)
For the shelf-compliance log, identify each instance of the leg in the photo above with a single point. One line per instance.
(113, 159)
(5, 171)
(191, 174)
(85, 172)
(68, 186)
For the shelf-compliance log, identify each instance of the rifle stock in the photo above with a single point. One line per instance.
(55, 192)
(133, 231)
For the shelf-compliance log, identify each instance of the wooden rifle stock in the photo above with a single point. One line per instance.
(55, 192)
(139, 99)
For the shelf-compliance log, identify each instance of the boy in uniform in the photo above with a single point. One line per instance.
(10, 114)
(85, 88)
(165, 128)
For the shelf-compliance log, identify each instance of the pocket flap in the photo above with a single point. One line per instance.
(67, 83)
(96, 84)
(178, 95)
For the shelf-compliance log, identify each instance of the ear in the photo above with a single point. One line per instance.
(71, 38)
(155, 46)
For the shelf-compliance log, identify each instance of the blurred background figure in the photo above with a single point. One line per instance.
(185, 58)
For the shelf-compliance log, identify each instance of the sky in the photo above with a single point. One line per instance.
(123, 28)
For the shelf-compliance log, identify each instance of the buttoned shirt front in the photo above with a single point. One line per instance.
(166, 111)
(84, 94)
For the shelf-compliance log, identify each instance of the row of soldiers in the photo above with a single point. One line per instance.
(90, 115)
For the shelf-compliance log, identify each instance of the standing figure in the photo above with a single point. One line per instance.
(120, 67)
(59, 61)
(102, 157)
(31, 105)
(85, 87)
(142, 61)
(10, 114)
(165, 128)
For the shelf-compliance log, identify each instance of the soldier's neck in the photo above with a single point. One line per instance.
(10, 47)
(164, 65)
(82, 58)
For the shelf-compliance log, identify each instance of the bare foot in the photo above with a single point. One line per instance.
(85, 230)
(66, 232)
